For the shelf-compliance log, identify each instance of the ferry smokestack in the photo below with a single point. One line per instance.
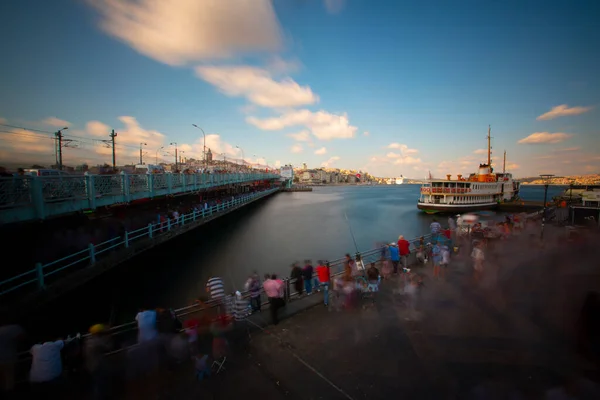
(448, 176)
(459, 176)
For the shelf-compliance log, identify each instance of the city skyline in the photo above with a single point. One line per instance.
(388, 88)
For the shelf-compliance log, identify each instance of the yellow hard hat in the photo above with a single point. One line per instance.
(96, 328)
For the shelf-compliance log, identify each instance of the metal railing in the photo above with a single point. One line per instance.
(336, 269)
(27, 197)
(90, 255)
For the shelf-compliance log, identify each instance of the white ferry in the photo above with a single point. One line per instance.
(480, 191)
(400, 181)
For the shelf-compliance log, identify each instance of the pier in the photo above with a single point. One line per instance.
(296, 188)
(25, 198)
(460, 338)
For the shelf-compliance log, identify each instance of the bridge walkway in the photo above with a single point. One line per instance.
(25, 198)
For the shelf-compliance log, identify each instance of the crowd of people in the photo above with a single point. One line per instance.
(165, 340)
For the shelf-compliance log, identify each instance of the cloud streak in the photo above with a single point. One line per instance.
(258, 86)
(563, 111)
(323, 125)
(545, 138)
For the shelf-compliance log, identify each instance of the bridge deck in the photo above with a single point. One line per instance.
(24, 198)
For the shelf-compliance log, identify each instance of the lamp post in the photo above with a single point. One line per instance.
(141, 155)
(546, 178)
(243, 157)
(176, 160)
(203, 145)
(159, 149)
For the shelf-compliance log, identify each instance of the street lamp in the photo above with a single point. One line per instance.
(159, 149)
(141, 156)
(203, 145)
(243, 157)
(546, 179)
(176, 160)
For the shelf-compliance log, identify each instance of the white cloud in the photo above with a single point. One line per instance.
(177, 32)
(97, 128)
(334, 6)
(56, 122)
(257, 85)
(278, 65)
(408, 160)
(404, 149)
(323, 125)
(277, 163)
(297, 148)
(329, 162)
(321, 151)
(562, 111)
(302, 136)
(480, 151)
(367, 133)
(545, 137)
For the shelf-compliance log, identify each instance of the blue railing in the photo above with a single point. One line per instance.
(90, 255)
(24, 198)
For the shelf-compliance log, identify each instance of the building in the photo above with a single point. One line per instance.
(209, 156)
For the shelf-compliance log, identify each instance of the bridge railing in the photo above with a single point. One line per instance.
(37, 197)
(336, 269)
(130, 328)
(89, 256)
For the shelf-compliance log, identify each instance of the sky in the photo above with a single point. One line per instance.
(388, 87)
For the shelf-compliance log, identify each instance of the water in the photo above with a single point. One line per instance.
(265, 237)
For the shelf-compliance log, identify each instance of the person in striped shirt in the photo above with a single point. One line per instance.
(215, 288)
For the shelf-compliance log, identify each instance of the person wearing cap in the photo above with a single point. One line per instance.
(394, 256)
(95, 346)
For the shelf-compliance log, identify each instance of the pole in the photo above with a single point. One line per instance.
(141, 161)
(176, 160)
(203, 145)
(59, 137)
(504, 164)
(156, 159)
(113, 135)
(489, 138)
(544, 210)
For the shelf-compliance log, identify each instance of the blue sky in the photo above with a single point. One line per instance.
(389, 87)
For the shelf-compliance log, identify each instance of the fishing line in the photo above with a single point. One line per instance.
(351, 232)
(301, 360)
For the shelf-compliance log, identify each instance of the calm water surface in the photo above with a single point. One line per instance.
(263, 237)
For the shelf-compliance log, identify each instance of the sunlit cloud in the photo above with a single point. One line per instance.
(330, 161)
(297, 148)
(321, 151)
(563, 111)
(323, 125)
(545, 137)
(178, 32)
(56, 122)
(258, 86)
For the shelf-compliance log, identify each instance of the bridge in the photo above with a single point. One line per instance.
(25, 198)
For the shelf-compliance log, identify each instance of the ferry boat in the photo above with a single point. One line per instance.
(483, 190)
(400, 181)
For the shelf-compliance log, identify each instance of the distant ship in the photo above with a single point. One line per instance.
(480, 191)
(400, 181)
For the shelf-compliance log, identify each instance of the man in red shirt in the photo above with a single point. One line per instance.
(404, 247)
(323, 274)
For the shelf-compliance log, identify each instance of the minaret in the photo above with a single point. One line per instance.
(504, 164)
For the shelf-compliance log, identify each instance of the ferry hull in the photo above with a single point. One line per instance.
(430, 208)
